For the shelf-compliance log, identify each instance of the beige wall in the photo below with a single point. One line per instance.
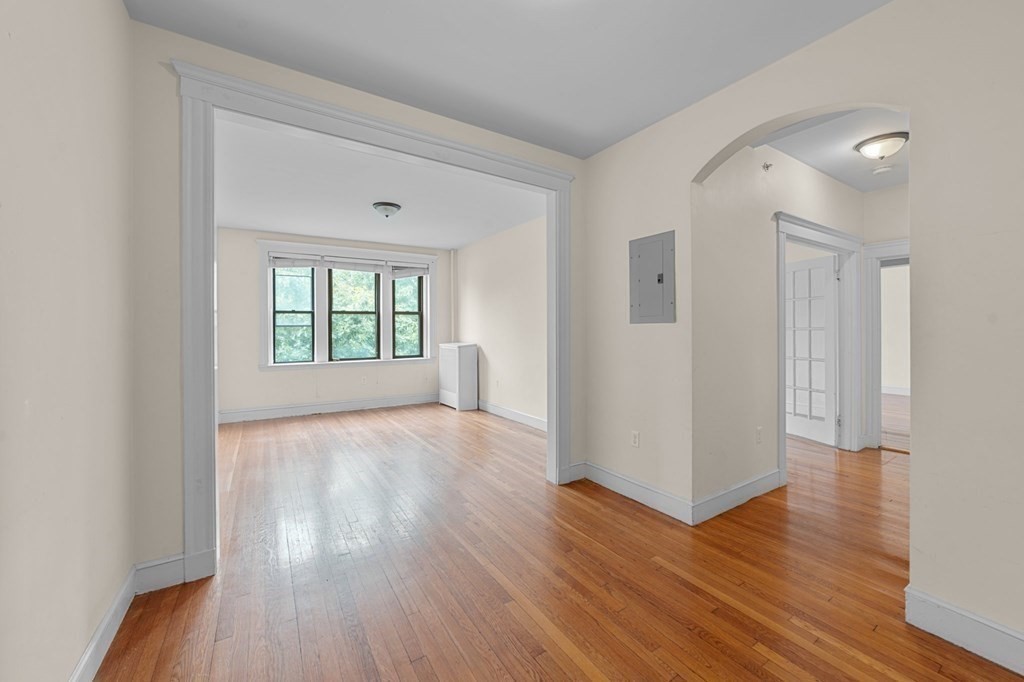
(243, 385)
(895, 297)
(157, 164)
(886, 214)
(955, 65)
(502, 306)
(65, 183)
(735, 324)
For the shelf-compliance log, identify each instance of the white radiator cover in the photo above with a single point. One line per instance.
(457, 383)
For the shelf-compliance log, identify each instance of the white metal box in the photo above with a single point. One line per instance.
(457, 382)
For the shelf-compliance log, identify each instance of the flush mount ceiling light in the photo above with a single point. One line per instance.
(386, 208)
(882, 146)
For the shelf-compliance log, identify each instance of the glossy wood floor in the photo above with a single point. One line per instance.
(419, 543)
(896, 421)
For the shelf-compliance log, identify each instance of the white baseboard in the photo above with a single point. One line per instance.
(279, 411)
(159, 573)
(144, 577)
(667, 503)
(896, 390)
(507, 413)
(94, 652)
(690, 513)
(984, 637)
(713, 505)
(573, 472)
(200, 565)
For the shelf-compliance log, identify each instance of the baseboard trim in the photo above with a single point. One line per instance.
(667, 503)
(159, 573)
(713, 505)
(306, 409)
(92, 657)
(143, 577)
(514, 415)
(199, 565)
(896, 390)
(984, 637)
(573, 472)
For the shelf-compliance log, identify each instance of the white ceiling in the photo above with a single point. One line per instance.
(571, 75)
(278, 178)
(827, 144)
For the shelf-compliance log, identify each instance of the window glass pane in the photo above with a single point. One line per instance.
(293, 337)
(353, 336)
(353, 291)
(293, 288)
(407, 336)
(407, 294)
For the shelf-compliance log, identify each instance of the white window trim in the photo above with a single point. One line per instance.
(322, 320)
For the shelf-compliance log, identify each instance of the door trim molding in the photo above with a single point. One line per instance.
(848, 247)
(203, 92)
(874, 257)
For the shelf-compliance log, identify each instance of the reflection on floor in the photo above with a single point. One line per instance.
(424, 543)
(896, 421)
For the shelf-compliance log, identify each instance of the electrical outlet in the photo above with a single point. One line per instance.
(635, 438)
(758, 435)
(363, 381)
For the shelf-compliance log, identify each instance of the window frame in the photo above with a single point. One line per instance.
(274, 312)
(322, 313)
(395, 313)
(331, 312)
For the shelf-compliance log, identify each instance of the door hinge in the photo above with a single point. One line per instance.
(838, 278)
(839, 423)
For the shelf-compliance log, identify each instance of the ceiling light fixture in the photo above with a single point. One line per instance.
(882, 146)
(387, 208)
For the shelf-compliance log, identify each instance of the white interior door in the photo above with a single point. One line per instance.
(811, 341)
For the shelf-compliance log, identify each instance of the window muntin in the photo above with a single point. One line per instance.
(293, 316)
(355, 315)
(407, 317)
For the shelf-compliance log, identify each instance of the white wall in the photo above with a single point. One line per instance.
(65, 335)
(895, 297)
(956, 67)
(242, 385)
(886, 214)
(502, 306)
(156, 238)
(735, 324)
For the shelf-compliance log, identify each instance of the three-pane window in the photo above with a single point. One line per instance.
(333, 314)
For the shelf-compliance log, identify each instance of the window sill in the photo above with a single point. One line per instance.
(344, 363)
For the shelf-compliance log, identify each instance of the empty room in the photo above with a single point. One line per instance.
(511, 340)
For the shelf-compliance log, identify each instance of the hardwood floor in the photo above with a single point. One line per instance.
(421, 543)
(896, 421)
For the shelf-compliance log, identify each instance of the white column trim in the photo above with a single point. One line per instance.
(204, 91)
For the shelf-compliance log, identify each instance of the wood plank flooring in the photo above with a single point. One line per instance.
(896, 421)
(421, 543)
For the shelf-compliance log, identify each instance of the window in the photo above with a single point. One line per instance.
(293, 315)
(345, 305)
(407, 317)
(355, 314)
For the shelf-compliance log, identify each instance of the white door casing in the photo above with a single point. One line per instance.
(811, 349)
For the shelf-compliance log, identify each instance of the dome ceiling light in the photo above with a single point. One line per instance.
(882, 146)
(387, 208)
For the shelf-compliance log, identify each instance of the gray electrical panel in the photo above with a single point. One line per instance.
(652, 279)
